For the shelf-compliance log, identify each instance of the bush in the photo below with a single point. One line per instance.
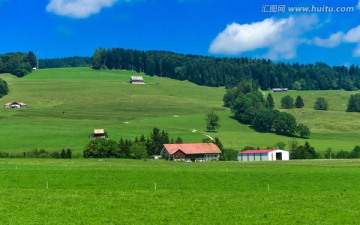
(287, 102)
(321, 104)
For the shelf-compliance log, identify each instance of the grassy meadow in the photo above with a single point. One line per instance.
(112, 191)
(65, 105)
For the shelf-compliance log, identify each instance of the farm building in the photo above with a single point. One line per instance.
(193, 152)
(263, 155)
(137, 80)
(15, 105)
(280, 90)
(99, 133)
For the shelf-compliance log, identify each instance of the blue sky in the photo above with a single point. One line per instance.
(262, 28)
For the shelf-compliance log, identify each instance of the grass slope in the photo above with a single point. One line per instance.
(66, 104)
(114, 191)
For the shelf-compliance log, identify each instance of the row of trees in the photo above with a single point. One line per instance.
(249, 107)
(18, 63)
(228, 72)
(140, 148)
(75, 61)
(40, 153)
(287, 102)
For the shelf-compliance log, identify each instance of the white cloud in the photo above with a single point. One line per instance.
(78, 8)
(358, 5)
(280, 37)
(333, 41)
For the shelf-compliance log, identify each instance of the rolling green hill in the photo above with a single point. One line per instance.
(65, 105)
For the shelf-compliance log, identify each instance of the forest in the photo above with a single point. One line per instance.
(228, 72)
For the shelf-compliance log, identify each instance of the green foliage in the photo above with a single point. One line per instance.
(75, 61)
(299, 102)
(302, 151)
(280, 145)
(285, 124)
(138, 151)
(269, 102)
(303, 131)
(228, 72)
(287, 102)
(354, 103)
(101, 148)
(4, 89)
(228, 155)
(212, 121)
(178, 140)
(18, 64)
(264, 120)
(321, 104)
(32, 59)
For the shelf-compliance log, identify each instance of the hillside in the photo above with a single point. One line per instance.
(65, 105)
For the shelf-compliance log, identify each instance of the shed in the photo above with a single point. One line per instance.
(137, 80)
(15, 105)
(193, 152)
(99, 133)
(280, 90)
(263, 155)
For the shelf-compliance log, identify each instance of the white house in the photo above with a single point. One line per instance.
(15, 105)
(263, 155)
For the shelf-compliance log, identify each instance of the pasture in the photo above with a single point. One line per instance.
(65, 105)
(79, 191)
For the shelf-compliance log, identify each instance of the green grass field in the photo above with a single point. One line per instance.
(65, 105)
(89, 191)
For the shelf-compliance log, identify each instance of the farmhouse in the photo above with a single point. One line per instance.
(280, 90)
(193, 152)
(99, 133)
(263, 155)
(15, 105)
(137, 80)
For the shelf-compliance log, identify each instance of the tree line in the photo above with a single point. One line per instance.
(140, 148)
(4, 89)
(228, 72)
(75, 61)
(17, 63)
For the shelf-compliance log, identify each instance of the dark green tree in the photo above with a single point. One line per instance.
(32, 59)
(68, 153)
(218, 143)
(264, 120)
(63, 154)
(299, 102)
(269, 102)
(303, 131)
(4, 90)
(287, 102)
(354, 103)
(321, 104)
(212, 121)
(178, 140)
(285, 124)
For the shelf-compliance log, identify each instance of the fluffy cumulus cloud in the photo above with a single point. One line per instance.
(280, 37)
(78, 8)
(334, 40)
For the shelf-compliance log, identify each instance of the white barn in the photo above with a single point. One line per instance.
(263, 155)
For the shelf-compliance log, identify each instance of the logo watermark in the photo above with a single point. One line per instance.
(307, 9)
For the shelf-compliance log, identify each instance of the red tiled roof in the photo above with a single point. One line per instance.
(199, 148)
(256, 151)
